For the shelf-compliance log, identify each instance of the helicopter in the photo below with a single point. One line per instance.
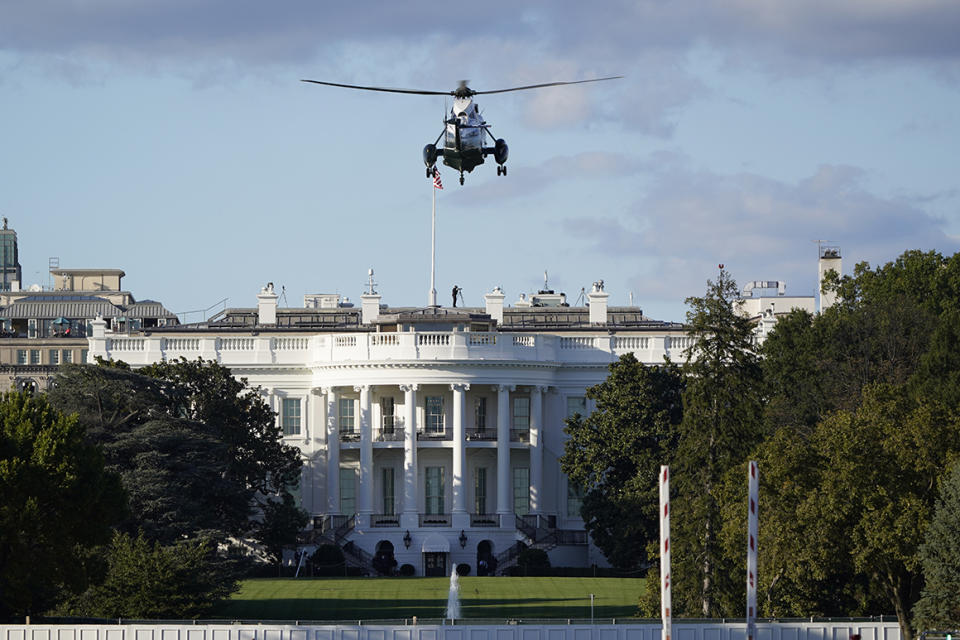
(464, 130)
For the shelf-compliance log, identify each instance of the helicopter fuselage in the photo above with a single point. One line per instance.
(463, 135)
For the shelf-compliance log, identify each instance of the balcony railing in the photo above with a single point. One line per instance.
(434, 435)
(482, 434)
(435, 520)
(520, 435)
(484, 520)
(349, 436)
(391, 434)
(385, 520)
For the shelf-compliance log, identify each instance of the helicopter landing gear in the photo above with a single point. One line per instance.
(461, 178)
(501, 169)
(430, 172)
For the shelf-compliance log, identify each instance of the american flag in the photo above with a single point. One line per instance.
(436, 179)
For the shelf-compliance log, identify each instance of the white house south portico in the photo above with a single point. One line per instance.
(432, 435)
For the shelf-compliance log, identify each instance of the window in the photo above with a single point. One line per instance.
(576, 404)
(434, 409)
(480, 414)
(521, 413)
(31, 328)
(389, 497)
(346, 415)
(434, 490)
(67, 355)
(21, 356)
(35, 356)
(348, 491)
(290, 416)
(54, 356)
(521, 490)
(480, 490)
(83, 355)
(574, 499)
(387, 415)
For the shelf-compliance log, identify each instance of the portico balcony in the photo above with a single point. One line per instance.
(435, 520)
(407, 346)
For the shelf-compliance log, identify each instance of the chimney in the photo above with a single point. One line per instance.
(267, 306)
(830, 260)
(494, 303)
(370, 301)
(598, 303)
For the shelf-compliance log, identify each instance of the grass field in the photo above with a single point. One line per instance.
(383, 598)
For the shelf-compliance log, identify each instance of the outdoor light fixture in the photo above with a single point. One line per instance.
(407, 539)
(462, 539)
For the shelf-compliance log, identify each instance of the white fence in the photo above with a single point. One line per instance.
(272, 631)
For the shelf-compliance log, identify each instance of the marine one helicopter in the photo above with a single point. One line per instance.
(465, 129)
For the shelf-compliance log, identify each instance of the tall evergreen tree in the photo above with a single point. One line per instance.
(939, 604)
(722, 418)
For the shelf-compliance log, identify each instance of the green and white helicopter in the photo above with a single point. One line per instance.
(465, 130)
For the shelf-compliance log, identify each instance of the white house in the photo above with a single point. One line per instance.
(429, 433)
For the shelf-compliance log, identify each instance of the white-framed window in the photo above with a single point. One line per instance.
(521, 413)
(575, 405)
(433, 407)
(21, 356)
(54, 356)
(480, 413)
(67, 355)
(347, 424)
(388, 416)
(83, 355)
(574, 499)
(521, 490)
(34, 356)
(348, 491)
(389, 491)
(290, 416)
(480, 490)
(433, 490)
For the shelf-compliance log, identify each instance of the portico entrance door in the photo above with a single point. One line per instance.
(434, 564)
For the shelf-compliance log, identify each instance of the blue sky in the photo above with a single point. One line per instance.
(175, 141)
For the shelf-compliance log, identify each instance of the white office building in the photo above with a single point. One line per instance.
(429, 433)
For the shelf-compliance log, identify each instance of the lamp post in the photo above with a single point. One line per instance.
(591, 608)
(462, 539)
(407, 539)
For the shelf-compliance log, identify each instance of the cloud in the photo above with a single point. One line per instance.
(760, 228)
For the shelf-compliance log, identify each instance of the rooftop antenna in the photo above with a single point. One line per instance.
(283, 294)
(370, 283)
(545, 287)
(582, 298)
(631, 298)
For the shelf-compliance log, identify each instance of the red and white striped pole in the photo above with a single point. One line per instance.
(752, 534)
(665, 551)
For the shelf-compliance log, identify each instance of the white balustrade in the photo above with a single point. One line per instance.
(480, 339)
(524, 341)
(629, 343)
(126, 344)
(577, 342)
(290, 344)
(433, 339)
(236, 344)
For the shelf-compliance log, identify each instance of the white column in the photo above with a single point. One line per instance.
(536, 449)
(459, 451)
(333, 452)
(365, 502)
(409, 518)
(504, 503)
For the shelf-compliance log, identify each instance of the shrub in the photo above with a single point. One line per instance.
(533, 562)
(407, 570)
(463, 569)
(327, 560)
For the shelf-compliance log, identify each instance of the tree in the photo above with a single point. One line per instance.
(722, 422)
(939, 604)
(147, 580)
(615, 454)
(281, 522)
(58, 501)
(198, 452)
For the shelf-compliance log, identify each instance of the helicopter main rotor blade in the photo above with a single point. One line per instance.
(548, 84)
(385, 89)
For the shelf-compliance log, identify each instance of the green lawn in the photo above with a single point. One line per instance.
(385, 598)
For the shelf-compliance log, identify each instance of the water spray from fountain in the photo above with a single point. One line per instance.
(453, 598)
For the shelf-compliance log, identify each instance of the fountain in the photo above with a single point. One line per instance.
(453, 598)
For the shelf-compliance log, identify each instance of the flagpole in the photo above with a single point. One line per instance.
(433, 248)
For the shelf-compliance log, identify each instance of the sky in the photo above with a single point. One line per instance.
(174, 140)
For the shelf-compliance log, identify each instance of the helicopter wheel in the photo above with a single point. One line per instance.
(461, 179)
(429, 172)
(499, 170)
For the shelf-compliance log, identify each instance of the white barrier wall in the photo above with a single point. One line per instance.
(681, 631)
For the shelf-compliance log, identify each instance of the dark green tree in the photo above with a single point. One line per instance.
(615, 455)
(281, 521)
(147, 580)
(722, 422)
(939, 604)
(57, 502)
(198, 452)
